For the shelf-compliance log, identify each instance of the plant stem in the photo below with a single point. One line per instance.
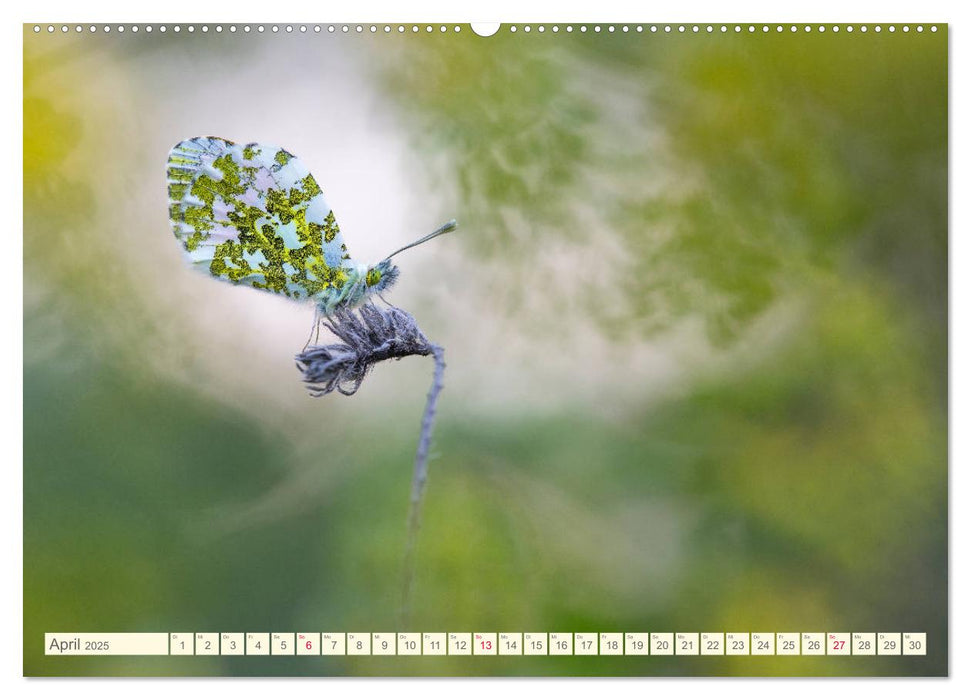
(418, 484)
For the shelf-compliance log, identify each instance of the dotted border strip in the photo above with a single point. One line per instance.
(511, 29)
(246, 28)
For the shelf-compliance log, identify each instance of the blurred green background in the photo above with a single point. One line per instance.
(695, 320)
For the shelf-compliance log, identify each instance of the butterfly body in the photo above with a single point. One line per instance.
(253, 214)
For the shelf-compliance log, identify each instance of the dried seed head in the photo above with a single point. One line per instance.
(370, 335)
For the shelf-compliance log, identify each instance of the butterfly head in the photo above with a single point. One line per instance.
(379, 277)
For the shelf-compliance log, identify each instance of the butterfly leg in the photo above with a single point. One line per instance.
(386, 301)
(314, 329)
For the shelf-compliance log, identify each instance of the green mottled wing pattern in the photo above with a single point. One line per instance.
(254, 215)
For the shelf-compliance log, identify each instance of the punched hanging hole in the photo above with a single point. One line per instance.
(485, 28)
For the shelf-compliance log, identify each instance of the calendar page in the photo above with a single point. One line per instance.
(547, 349)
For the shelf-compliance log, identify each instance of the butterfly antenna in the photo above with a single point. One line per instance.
(444, 228)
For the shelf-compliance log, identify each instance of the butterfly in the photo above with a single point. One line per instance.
(253, 214)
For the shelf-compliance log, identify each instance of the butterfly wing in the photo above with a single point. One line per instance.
(253, 214)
